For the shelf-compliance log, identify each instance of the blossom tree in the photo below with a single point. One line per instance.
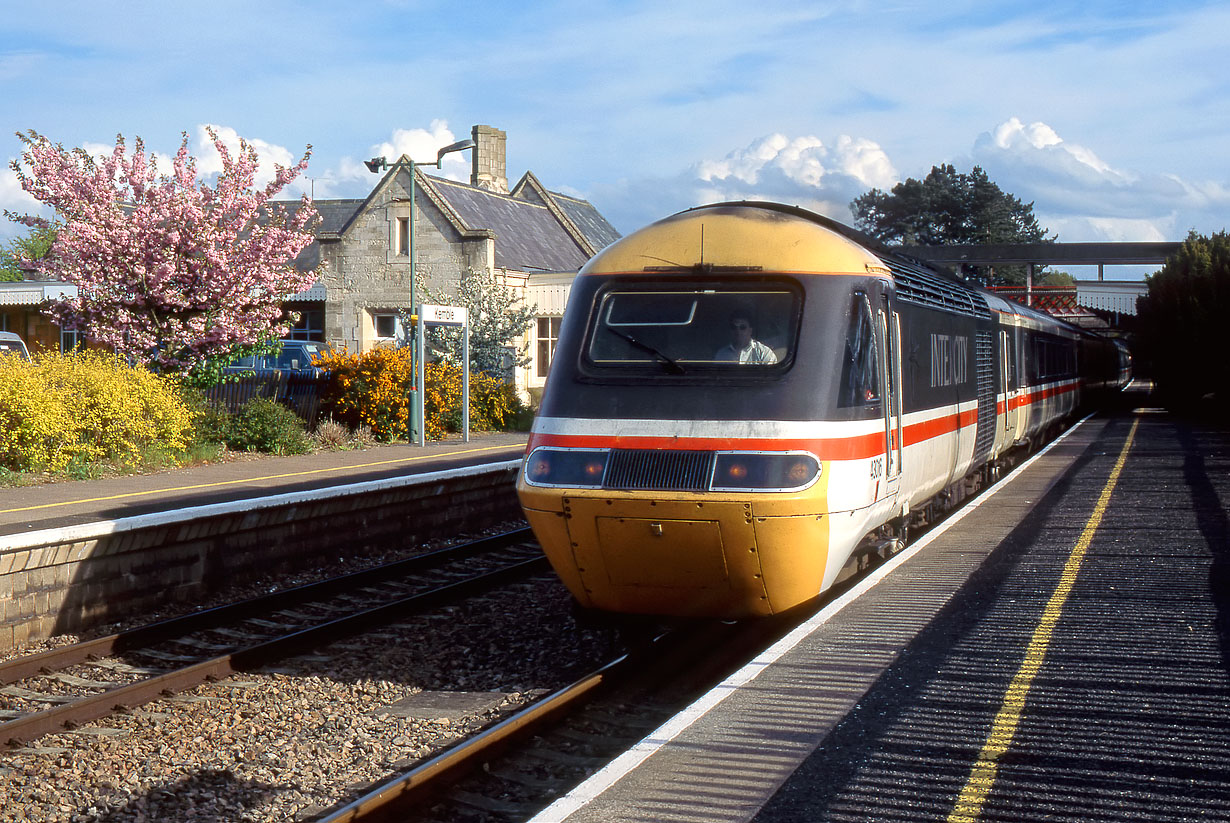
(169, 270)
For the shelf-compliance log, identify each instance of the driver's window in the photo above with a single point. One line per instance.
(860, 379)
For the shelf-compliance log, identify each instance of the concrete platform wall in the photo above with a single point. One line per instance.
(79, 577)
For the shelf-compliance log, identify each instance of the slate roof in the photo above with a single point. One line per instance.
(534, 229)
(592, 224)
(335, 214)
(528, 237)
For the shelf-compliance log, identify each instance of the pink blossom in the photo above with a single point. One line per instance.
(170, 270)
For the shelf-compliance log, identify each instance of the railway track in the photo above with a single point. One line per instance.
(67, 687)
(510, 771)
(517, 766)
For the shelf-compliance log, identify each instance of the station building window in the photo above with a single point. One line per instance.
(548, 336)
(385, 325)
(403, 236)
(71, 340)
(310, 325)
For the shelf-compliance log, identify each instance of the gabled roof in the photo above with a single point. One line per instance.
(335, 214)
(528, 237)
(534, 229)
(583, 220)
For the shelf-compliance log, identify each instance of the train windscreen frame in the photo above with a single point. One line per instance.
(746, 327)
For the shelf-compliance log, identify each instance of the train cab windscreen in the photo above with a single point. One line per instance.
(702, 328)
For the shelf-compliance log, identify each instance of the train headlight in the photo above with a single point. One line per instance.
(756, 471)
(573, 468)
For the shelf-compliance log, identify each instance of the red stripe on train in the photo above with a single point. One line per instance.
(858, 447)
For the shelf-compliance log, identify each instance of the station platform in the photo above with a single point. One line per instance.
(56, 505)
(1058, 650)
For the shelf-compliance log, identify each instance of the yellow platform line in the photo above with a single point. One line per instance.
(985, 770)
(240, 481)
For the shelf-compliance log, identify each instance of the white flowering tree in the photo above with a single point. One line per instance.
(497, 316)
(170, 270)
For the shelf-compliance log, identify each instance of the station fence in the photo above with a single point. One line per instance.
(301, 393)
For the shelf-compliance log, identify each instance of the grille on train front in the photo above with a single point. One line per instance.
(659, 470)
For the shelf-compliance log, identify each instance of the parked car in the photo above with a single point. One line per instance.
(11, 343)
(295, 359)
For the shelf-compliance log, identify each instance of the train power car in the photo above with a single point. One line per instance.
(746, 398)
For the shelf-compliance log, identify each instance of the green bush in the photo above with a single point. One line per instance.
(263, 425)
(1182, 322)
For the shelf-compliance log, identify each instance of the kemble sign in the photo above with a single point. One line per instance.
(457, 317)
(444, 315)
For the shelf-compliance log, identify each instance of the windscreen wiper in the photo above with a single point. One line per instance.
(668, 362)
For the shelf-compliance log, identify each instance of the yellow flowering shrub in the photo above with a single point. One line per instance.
(86, 406)
(369, 389)
(493, 403)
(373, 389)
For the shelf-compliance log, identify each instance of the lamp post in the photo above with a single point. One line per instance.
(376, 165)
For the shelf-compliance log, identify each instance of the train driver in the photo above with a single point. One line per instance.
(743, 348)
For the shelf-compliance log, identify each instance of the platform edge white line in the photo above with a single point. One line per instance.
(106, 528)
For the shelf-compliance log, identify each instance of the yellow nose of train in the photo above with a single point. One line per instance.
(644, 552)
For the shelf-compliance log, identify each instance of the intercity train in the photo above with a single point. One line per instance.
(748, 400)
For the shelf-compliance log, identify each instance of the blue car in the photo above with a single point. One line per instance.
(295, 359)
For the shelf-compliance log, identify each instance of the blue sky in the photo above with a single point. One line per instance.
(1112, 118)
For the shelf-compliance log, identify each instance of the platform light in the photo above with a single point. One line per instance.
(375, 166)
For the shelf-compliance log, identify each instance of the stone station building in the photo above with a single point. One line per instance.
(529, 238)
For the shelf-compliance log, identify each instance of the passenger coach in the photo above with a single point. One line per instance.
(747, 398)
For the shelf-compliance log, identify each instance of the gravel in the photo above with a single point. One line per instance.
(284, 743)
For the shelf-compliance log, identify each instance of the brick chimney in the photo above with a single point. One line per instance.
(490, 167)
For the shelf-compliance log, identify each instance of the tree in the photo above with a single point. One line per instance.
(26, 251)
(1181, 321)
(949, 207)
(1058, 279)
(170, 271)
(496, 318)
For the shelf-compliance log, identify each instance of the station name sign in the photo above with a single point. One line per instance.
(443, 315)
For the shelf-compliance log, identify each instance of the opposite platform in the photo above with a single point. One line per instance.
(55, 505)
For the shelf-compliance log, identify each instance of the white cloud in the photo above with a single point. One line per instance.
(801, 170)
(1038, 147)
(351, 177)
(14, 199)
(417, 144)
(1081, 197)
(1076, 193)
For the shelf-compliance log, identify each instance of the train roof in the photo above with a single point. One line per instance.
(747, 236)
(800, 242)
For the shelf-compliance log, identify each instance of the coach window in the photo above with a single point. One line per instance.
(860, 380)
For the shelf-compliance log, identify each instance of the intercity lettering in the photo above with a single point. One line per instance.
(949, 360)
